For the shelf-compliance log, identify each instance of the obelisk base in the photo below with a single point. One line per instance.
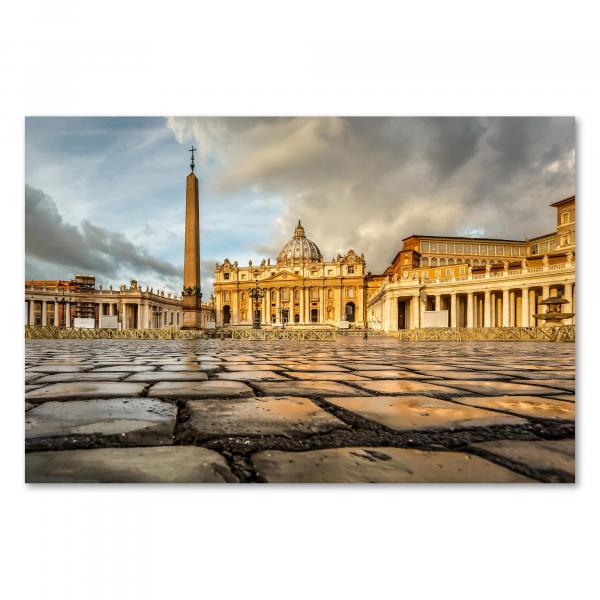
(192, 313)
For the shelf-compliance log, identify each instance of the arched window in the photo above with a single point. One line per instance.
(350, 312)
(434, 262)
(483, 262)
(425, 261)
(475, 262)
(450, 261)
(442, 262)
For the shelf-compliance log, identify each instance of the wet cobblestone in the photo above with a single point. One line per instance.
(348, 410)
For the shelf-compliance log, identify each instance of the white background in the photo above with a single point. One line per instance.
(341, 58)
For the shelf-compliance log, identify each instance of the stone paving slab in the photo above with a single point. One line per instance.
(82, 390)
(407, 413)
(177, 368)
(464, 375)
(560, 385)
(199, 389)
(392, 374)
(324, 376)
(500, 388)
(125, 368)
(93, 376)
(543, 454)
(250, 376)
(175, 464)
(528, 406)
(54, 368)
(404, 386)
(139, 421)
(306, 388)
(153, 376)
(564, 397)
(283, 416)
(379, 465)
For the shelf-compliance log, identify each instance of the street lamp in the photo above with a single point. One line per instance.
(257, 294)
(283, 314)
(63, 301)
(157, 312)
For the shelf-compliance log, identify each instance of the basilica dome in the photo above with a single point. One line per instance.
(299, 248)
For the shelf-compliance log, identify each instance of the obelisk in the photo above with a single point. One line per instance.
(191, 258)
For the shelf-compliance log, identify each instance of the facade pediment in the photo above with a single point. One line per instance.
(283, 276)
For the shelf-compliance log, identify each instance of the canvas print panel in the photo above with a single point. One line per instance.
(300, 300)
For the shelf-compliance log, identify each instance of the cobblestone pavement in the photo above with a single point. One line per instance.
(346, 411)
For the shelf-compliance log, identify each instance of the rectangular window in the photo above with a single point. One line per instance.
(565, 217)
(544, 247)
(424, 246)
(534, 249)
(521, 250)
(448, 272)
(350, 270)
(499, 250)
(434, 246)
(329, 272)
(459, 249)
(225, 275)
(450, 248)
(553, 244)
(442, 247)
(565, 240)
(483, 249)
(243, 276)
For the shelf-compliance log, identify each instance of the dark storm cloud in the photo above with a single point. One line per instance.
(90, 249)
(365, 183)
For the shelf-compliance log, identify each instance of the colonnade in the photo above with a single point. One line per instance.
(506, 306)
(305, 305)
(132, 315)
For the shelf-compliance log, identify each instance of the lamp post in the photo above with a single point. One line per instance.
(63, 301)
(157, 312)
(283, 316)
(257, 294)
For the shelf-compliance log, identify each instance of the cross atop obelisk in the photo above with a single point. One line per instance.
(191, 259)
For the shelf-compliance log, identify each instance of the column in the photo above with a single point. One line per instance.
(525, 308)
(277, 305)
(568, 308)
(545, 294)
(302, 315)
(44, 312)
(32, 312)
(250, 309)
(452, 309)
(470, 310)
(56, 321)
(321, 305)
(505, 308)
(438, 302)
(487, 309)
(68, 314)
(414, 312)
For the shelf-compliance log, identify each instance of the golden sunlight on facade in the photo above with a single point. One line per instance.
(300, 288)
(437, 281)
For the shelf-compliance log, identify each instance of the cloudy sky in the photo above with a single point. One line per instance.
(105, 196)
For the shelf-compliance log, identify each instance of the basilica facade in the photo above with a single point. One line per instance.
(299, 288)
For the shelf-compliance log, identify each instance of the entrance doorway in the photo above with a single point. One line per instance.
(402, 321)
(314, 315)
(350, 312)
(226, 314)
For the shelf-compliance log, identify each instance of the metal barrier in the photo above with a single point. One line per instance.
(563, 333)
(283, 333)
(45, 331)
